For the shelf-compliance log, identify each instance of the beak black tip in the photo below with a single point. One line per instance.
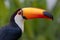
(48, 15)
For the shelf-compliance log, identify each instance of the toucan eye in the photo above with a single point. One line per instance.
(19, 12)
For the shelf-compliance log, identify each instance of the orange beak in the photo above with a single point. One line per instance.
(31, 13)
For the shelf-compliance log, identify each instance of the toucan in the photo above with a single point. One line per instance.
(15, 28)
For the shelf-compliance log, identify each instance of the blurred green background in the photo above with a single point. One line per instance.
(35, 29)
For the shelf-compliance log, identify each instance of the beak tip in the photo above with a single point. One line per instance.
(48, 15)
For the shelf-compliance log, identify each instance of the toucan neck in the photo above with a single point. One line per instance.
(19, 21)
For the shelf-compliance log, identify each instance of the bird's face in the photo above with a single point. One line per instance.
(29, 13)
(32, 13)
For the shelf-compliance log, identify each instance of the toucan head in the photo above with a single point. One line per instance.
(32, 13)
(29, 13)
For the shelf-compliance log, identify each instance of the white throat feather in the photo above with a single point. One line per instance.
(19, 21)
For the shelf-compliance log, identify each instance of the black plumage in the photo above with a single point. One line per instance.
(11, 31)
